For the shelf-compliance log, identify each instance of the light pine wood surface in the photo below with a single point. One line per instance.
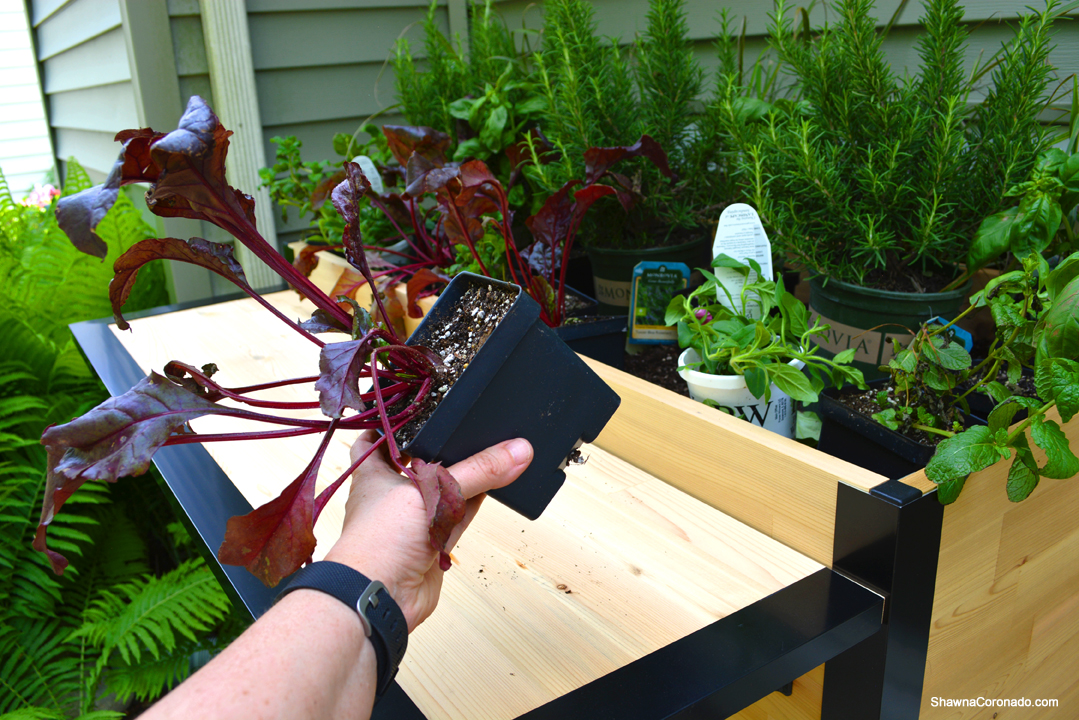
(531, 610)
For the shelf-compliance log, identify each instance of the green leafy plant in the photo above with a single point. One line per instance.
(1044, 220)
(1037, 311)
(109, 626)
(756, 335)
(881, 180)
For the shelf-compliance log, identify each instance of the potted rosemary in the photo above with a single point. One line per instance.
(878, 183)
(745, 355)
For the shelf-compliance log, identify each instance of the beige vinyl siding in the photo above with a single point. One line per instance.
(189, 46)
(85, 77)
(320, 69)
(25, 147)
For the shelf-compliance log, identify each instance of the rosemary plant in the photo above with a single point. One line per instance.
(880, 179)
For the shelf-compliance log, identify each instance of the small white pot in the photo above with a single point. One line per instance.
(732, 395)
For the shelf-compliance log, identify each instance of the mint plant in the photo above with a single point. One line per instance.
(186, 172)
(1037, 316)
(731, 342)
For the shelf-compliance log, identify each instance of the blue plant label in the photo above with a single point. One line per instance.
(741, 235)
(653, 285)
(957, 332)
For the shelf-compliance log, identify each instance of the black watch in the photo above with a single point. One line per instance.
(382, 619)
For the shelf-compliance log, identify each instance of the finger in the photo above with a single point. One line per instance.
(471, 508)
(378, 462)
(495, 467)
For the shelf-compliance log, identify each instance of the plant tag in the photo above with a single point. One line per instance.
(741, 235)
(654, 284)
(370, 172)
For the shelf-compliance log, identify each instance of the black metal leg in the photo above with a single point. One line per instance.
(888, 540)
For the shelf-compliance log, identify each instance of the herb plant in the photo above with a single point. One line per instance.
(1037, 314)
(186, 170)
(766, 330)
(880, 180)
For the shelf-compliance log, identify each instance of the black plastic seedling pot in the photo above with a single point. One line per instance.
(851, 436)
(600, 338)
(523, 382)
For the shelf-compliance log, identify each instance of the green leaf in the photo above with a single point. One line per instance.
(724, 260)
(756, 381)
(1058, 379)
(1063, 274)
(948, 492)
(1038, 221)
(992, 239)
(1023, 475)
(1060, 326)
(461, 109)
(1061, 462)
(905, 360)
(972, 450)
(997, 391)
(791, 381)
(807, 426)
(844, 357)
(491, 134)
(887, 418)
(946, 354)
(1001, 416)
(470, 148)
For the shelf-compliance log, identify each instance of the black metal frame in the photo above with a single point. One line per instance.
(713, 672)
(889, 540)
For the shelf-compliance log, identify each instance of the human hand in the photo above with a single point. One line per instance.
(385, 536)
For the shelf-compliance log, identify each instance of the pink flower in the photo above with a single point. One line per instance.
(703, 314)
(41, 196)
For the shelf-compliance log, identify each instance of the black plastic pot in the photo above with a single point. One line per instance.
(523, 382)
(600, 339)
(851, 436)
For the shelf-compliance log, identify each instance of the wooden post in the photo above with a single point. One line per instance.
(232, 77)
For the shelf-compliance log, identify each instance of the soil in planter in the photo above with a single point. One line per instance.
(865, 402)
(658, 364)
(458, 340)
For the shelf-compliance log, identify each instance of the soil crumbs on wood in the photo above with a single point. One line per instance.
(658, 364)
(457, 340)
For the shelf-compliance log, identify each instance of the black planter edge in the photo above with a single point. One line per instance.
(887, 539)
(847, 613)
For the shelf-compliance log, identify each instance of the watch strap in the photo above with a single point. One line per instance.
(382, 619)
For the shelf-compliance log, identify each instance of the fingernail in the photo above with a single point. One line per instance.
(520, 451)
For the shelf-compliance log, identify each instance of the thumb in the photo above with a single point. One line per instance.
(495, 467)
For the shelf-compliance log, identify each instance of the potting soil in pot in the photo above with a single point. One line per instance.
(457, 340)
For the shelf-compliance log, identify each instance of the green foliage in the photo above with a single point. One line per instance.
(50, 668)
(756, 335)
(306, 186)
(1037, 314)
(878, 179)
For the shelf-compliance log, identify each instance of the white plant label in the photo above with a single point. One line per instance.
(741, 235)
(370, 172)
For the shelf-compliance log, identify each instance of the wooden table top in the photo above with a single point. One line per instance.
(620, 565)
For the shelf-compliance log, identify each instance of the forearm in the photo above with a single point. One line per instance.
(305, 658)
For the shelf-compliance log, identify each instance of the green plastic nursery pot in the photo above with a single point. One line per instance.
(868, 320)
(612, 270)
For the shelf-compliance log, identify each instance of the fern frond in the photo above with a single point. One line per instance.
(37, 664)
(148, 613)
(76, 178)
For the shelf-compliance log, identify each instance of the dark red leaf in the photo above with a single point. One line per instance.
(322, 322)
(421, 280)
(598, 160)
(215, 257)
(552, 222)
(588, 195)
(339, 367)
(325, 188)
(192, 182)
(405, 140)
(424, 176)
(274, 540)
(115, 439)
(443, 499)
(137, 162)
(199, 382)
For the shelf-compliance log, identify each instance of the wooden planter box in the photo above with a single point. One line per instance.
(694, 564)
